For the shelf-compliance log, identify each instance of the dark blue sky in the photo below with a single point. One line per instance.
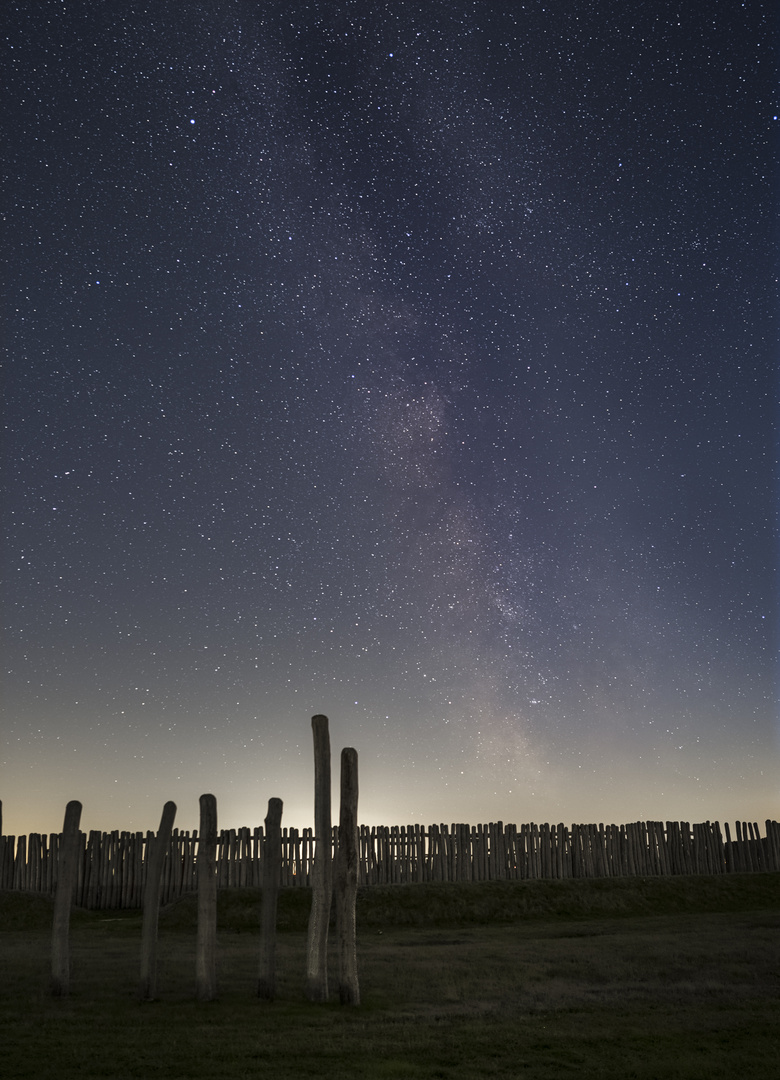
(414, 365)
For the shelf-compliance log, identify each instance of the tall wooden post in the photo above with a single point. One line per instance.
(206, 946)
(67, 874)
(271, 876)
(154, 866)
(346, 879)
(322, 873)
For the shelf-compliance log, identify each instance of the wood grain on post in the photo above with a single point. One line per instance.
(346, 879)
(67, 872)
(206, 945)
(155, 859)
(322, 872)
(271, 877)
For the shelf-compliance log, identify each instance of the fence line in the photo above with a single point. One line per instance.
(112, 866)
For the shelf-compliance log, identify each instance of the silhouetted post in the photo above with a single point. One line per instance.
(322, 872)
(3, 844)
(272, 873)
(206, 947)
(67, 873)
(346, 879)
(154, 867)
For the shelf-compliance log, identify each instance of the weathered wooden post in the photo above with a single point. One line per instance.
(67, 873)
(154, 866)
(271, 876)
(322, 872)
(206, 946)
(346, 879)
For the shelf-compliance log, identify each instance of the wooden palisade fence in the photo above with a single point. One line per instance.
(112, 866)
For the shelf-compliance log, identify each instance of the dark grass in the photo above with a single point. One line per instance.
(644, 978)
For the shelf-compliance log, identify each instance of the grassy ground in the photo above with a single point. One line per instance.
(650, 978)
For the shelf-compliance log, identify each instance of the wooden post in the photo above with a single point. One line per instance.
(772, 845)
(155, 858)
(322, 873)
(346, 879)
(67, 871)
(206, 945)
(544, 842)
(271, 877)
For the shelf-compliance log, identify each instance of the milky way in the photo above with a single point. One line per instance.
(415, 366)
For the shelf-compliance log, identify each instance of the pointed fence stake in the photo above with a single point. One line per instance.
(67, 875)
(272, 874)
(154, 866)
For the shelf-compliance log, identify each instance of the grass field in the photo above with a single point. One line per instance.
(631, 978)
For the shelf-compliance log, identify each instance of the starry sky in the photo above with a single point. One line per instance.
(410, 363)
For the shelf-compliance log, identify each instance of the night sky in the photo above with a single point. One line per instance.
(410, 363)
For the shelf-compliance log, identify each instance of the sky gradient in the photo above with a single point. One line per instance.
(414, 364)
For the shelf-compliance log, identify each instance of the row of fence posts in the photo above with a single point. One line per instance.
(112, 868)
(158, 846)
